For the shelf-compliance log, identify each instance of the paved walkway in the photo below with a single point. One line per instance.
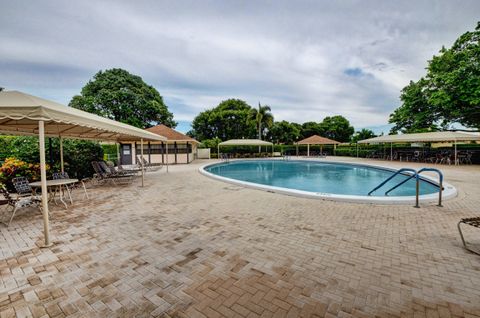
(186, 245)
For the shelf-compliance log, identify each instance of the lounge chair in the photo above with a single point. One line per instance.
(475, 222)
(19, 201)
(109, 168)
(148, 166)
(103, 173)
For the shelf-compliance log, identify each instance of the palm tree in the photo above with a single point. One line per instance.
(263, 118)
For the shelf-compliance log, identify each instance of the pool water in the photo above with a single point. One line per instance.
(319, 177)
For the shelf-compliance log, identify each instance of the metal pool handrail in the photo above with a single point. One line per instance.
(224, 157)
(391, 177)
(401, 182)
(440, 179)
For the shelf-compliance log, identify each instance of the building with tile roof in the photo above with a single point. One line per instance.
(179, 148)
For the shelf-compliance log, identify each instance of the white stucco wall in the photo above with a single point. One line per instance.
(157, 158)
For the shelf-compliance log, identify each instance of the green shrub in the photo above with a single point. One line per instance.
(110, 153)
(13, 168)
(77, 154)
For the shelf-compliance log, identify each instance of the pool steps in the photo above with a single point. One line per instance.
(415, 174)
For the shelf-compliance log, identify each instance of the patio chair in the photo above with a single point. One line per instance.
(71, 187)
(22, 186)
(148, 166)
(416, 156)
(446, 158)
(19, 202)
(103, 173)
(475, 222)
(468, 158)
(110, 169)
(464, 158)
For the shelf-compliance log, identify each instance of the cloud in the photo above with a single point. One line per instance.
(306, 59)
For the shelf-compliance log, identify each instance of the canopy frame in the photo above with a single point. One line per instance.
(26, 115)
(317, 140)
(431, 137)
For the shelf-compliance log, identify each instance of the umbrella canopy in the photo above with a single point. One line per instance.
(317, 140)
(245, 142)
(24, 114)
(438, 136)
(20, 114)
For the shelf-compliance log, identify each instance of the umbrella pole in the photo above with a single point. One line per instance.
(455, 152)
(61, 155)
(43, 178)
(143, 168)
(118, 154)
(166, 147)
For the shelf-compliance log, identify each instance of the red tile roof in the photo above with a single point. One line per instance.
(317, 140)
(170, 134)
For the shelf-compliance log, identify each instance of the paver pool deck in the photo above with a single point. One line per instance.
(190, 246)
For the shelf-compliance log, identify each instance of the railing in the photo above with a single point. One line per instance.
(224, 157)
(440, 185)
(400, 183)
(415, 174)
(393, 176)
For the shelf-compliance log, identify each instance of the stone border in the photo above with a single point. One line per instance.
(449, 191)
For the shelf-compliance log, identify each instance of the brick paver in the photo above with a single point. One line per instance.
(189, 246)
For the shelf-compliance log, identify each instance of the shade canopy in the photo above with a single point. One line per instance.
(317, 140)
(245, 142)
(20, 114)
(439, 136)
(24, 114)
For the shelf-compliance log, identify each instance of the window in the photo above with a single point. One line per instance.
(156, 149)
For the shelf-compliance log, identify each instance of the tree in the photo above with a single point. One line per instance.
(210, 143)
(363, 134)
(337, 128)
(284, 132)
(263, 118)
(231, 119)
(121, 96)
(454, 81)
(449, 93)
(415, 114)
(310, 128)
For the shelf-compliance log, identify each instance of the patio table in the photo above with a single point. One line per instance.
(57, 184)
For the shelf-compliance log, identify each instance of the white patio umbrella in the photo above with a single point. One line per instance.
(437, 136)
(24, 114)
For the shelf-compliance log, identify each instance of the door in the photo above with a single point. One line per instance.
(126, 154)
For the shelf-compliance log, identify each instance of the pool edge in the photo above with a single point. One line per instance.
(449, 191)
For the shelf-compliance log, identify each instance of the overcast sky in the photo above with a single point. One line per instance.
(306, 59)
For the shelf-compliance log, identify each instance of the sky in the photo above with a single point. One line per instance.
(305, 59)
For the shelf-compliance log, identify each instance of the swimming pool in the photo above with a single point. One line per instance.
(342, 181)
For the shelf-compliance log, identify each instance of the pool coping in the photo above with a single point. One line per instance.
(449, 191)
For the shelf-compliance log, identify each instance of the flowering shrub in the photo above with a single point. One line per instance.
(13, 168)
